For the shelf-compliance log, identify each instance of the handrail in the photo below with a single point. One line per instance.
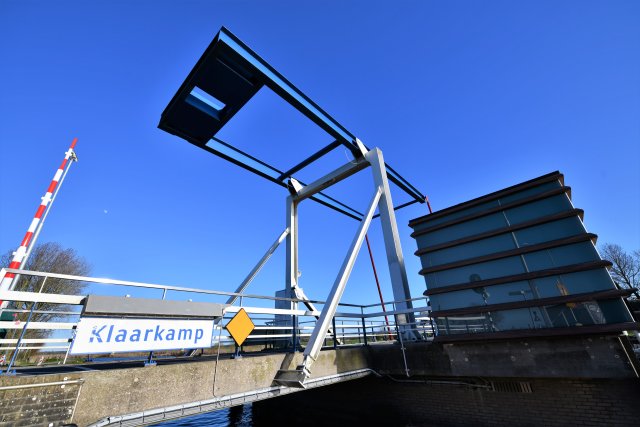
(107, 281)
(356, 327)
(393, 302)
(40, 297)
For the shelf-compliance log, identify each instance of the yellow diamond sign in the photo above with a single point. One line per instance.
(240, 327)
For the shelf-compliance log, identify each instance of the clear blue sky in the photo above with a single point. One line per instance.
(464, 98)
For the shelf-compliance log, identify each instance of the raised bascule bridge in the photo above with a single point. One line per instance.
(520, 324)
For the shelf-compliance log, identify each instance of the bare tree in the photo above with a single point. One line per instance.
(48, 257)
(626, 266)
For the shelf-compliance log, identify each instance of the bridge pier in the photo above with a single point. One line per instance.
(465, 401)
(587, 381)
(570, 380)
(85, 397)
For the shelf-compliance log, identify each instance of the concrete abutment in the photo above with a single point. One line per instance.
(579, 380)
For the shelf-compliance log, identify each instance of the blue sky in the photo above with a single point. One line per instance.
(464, 98)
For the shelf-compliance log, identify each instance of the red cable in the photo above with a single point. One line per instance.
(375, 274)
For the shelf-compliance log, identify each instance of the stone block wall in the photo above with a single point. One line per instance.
(37, 403)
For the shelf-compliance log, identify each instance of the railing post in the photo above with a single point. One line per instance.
(433, 331)
(364, 331)
(364, 326)
(395, 322)
(335, 333)
(15, 352)
(294, 333)
(66, 355)
(150, 361)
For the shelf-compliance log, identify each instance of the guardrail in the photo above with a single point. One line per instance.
(276, 329)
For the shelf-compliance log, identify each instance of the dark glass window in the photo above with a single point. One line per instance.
(484, 270)
(498, 294)
(502, 242)
(549, 231)
(529, 236)
(494, 203)
(615, 311)
(575, 253)
(540, 208)
(573, 283)
(464, 229)
(530, 192)
(554, 316)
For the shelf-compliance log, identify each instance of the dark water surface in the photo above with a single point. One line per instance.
(237, 416)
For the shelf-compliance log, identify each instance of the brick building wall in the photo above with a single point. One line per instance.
(486, 402)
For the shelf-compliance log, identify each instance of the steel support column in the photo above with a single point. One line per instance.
(291, 278)
(291, 270)
(395, 260)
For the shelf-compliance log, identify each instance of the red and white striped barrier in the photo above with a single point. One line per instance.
(19, 254)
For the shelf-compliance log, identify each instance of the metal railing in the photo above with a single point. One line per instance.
(276, 329)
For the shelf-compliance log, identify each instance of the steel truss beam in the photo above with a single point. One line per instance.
(382, 201)
(293, 290)
(252, 164)
(306, 162)
(252, 274)
(223, 80)
(322, 325)
(331, 178)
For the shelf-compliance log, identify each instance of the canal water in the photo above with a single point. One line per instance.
(237, 416)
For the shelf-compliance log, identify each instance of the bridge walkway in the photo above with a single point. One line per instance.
(137, 392)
